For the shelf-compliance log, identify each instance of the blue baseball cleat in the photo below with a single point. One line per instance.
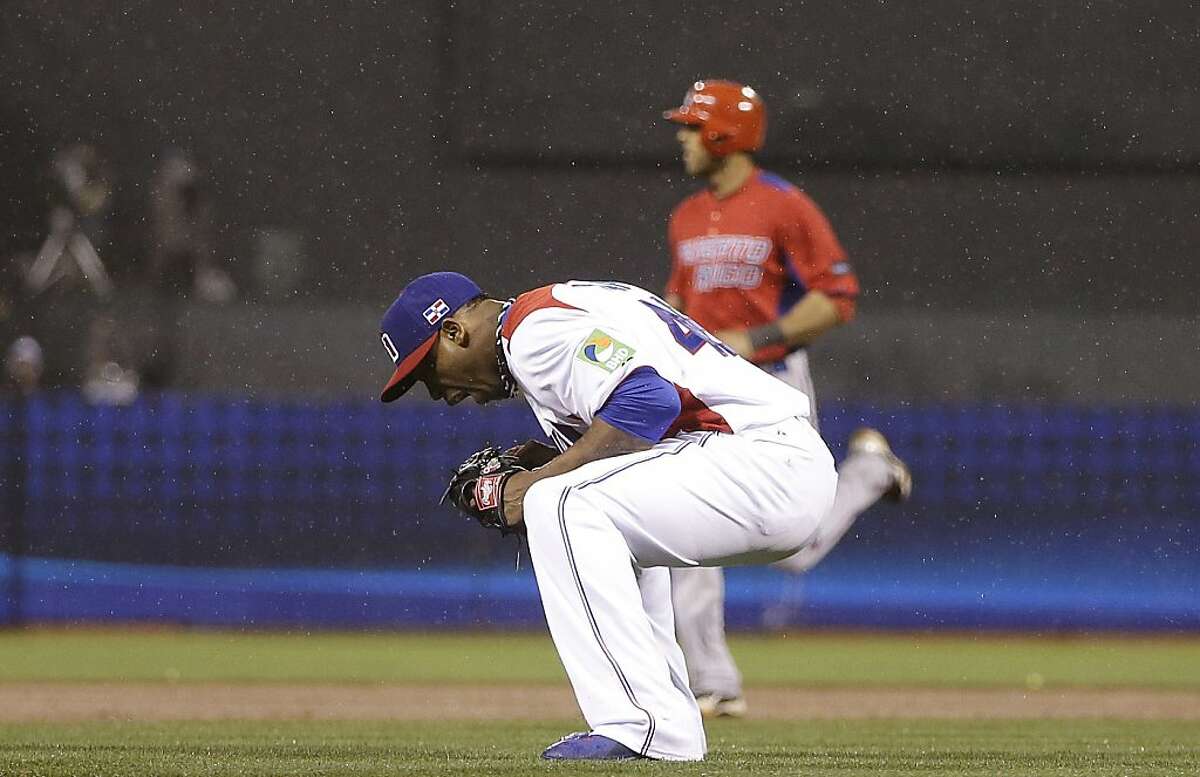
(582, 746)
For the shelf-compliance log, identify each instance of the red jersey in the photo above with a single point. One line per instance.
(745, 260)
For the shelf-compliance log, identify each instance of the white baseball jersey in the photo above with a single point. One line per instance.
(569, 345)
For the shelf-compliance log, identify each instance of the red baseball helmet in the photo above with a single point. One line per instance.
(731, 116)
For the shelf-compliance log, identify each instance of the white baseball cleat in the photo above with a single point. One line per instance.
(868, 440)
(714, 705)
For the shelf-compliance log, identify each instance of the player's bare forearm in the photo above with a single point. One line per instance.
(814, 315)
(807, 320)
(675, 301)
(600, 441)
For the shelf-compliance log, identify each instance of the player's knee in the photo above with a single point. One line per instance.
(541, 501)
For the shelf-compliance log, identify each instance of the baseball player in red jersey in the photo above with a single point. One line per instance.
(755, 262)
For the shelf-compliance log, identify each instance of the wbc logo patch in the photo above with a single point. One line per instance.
(604, 351)
(435, 312)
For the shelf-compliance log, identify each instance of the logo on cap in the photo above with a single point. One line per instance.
(389, 346)
(436, 311)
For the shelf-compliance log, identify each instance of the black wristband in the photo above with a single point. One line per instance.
(766, 335)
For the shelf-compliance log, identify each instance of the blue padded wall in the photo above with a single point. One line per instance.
(227, 511)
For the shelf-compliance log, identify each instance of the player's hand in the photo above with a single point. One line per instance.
(532, 454)
(738, 340)
(514, 496)
(479, 488)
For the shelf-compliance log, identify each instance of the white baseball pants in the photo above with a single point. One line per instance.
(599, 537)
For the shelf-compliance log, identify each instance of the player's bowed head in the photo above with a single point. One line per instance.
(441, 331)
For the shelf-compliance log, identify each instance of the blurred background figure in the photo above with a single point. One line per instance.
(12, 279)
(755, 261)
(106, 380)
(182, 249)
(23, 367)
(79, 221)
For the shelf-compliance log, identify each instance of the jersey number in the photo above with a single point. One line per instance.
(686, 332)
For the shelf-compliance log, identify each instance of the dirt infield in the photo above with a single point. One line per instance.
(149, 702)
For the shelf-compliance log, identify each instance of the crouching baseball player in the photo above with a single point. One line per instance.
(672, 451)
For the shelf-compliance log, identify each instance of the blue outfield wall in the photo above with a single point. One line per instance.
(225, 512)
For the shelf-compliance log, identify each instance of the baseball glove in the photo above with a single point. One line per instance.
(477, 487)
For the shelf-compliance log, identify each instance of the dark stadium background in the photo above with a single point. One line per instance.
(1018, 186)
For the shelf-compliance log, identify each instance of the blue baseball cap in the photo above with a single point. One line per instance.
(410, 327)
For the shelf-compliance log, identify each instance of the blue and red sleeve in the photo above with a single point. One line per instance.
(816, 256)
(644, 404)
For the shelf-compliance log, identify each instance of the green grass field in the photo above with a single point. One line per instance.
(807, 659)
(749, 748)
(928, 749)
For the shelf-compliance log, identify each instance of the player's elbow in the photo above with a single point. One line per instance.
(832, 308)
(847, 308)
